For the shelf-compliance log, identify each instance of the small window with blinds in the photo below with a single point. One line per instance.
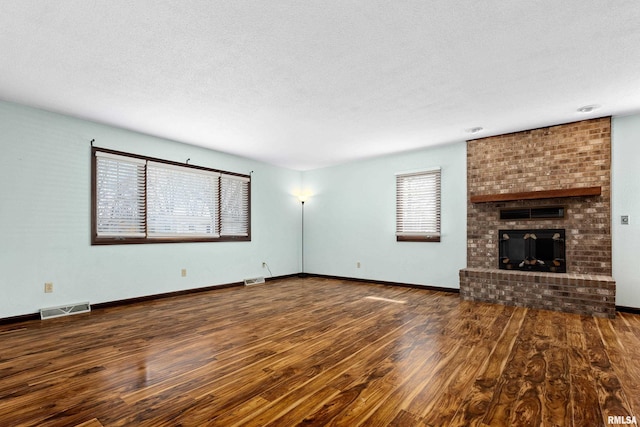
(418, 206)
(234, 205)
(144, 200)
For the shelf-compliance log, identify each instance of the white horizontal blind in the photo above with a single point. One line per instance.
(120, 199)
(418, 204)
(181, 201)
(234, 205)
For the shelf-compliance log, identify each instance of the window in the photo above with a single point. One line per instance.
(418, 206)
(143, 200)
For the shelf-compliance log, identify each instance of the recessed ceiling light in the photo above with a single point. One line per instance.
(474, 129)
(588, 108)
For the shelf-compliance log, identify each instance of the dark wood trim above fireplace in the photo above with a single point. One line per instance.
(533, 195)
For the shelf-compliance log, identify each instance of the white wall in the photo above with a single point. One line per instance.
(625, 200)
(350, 218)
(45, 219)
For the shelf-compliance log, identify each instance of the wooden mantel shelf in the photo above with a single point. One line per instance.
(531, 195)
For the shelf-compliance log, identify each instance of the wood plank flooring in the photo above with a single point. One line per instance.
(319, 352)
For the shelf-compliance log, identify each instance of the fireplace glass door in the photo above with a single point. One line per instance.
(533, 250)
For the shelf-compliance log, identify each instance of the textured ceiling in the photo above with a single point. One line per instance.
(307, 84)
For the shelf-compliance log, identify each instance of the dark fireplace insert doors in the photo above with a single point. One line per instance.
(533, 250)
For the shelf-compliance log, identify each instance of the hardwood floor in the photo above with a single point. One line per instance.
(319, 352)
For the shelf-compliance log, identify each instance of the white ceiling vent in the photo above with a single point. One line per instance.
(253, 281)
(64, 310)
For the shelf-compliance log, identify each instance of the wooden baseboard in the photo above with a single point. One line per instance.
(180, 293)
(20, 318)
(383, 282)
(136, 300)
(624, 309)
(128, 301)
(36, 316)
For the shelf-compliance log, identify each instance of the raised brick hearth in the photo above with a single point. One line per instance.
(573, 293)
(557, 158)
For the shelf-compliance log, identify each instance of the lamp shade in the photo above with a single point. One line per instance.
(303, 196)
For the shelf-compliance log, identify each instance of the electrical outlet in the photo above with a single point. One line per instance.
(184, 272)
(48, 287)
(624, 219)
(264, 264)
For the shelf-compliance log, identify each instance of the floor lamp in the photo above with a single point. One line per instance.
(302, 197)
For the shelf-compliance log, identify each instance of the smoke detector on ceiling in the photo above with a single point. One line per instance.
(588, 108)
(476, 129)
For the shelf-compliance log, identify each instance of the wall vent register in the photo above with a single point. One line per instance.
(532, 213)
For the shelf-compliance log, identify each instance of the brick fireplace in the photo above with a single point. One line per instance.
(564, 172)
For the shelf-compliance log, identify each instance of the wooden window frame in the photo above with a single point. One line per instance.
(109, 240)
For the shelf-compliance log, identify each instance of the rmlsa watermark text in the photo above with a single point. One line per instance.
(621, 419)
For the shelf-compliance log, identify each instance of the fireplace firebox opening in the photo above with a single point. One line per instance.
(533, 250)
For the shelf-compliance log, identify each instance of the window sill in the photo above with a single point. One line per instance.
(133, 241)
(418, 238)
